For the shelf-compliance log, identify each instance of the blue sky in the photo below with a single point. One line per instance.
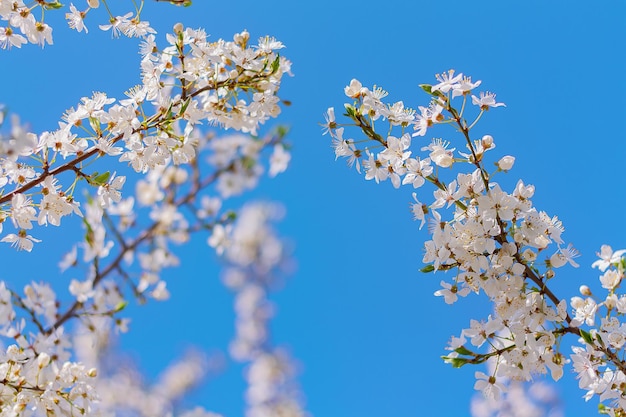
(358, 314)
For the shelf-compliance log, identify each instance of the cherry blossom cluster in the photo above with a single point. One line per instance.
(538, 399)
(598, 360)
(125, 248)
(256, 258)
(22, 27)
(487, 239)
(188, 83)
(37, 374)
(183, 179)
(123, 390)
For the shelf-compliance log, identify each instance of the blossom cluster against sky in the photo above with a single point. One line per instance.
(357, 313)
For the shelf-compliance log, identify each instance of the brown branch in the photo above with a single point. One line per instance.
(148, 233)
(153, 122)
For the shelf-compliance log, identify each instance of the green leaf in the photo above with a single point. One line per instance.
(120, 306)
(53, 5)
(427, 87)
(276, 64)
(248, 163)
(88, 232)
(455, 362)
(100, 179)
(586, 336)
(428, 268)
(282, 131)
(351, 112)
(599, 339)
(463, 351)
(183, 109)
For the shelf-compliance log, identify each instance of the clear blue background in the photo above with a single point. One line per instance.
(357, 314)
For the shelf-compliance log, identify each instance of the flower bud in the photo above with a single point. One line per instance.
(242, 38)
(506, 162)
(529, 255)
(611, 301)
(178, 28)
(43, 360)
(94, 4)
(585, 290)
(442, 158)
(487, 141)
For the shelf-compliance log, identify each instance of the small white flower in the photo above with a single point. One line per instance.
(279, 160)
(607, 257)
(355, 89)
(610, 279)
(563, 256)
(75, 19)
(451, 292)
(22, 240)
(83, 291)
(440, 155)
(111, 191)
(506, 162)
(486, 101)
(488, 385)
(160, 292)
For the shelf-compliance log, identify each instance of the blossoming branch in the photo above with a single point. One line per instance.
(489, 241)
